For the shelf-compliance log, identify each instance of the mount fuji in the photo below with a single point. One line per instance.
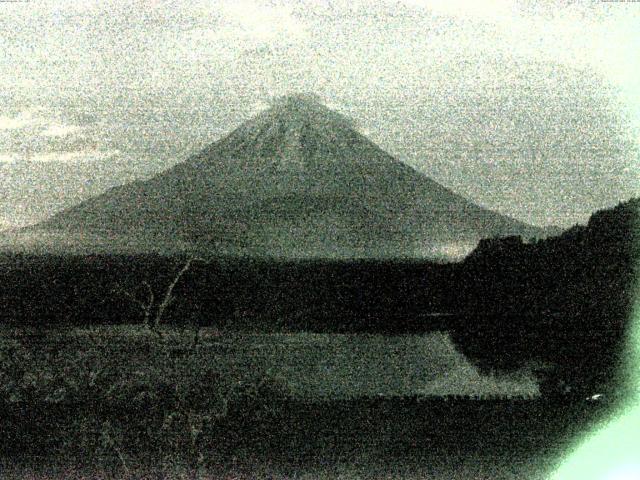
(295, 181)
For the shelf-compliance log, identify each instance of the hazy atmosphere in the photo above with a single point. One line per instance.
(530, 108)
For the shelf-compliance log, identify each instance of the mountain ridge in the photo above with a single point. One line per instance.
(295, 180)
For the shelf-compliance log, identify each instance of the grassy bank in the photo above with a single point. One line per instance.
(356, 439)
(128, 362)
(125, 401)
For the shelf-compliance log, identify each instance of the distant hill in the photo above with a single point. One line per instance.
(567, 299)
(296, 181)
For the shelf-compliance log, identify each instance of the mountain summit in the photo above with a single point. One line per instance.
(297, 180)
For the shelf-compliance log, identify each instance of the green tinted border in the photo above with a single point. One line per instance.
(611, 451)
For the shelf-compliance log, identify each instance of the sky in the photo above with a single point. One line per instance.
(528, 107)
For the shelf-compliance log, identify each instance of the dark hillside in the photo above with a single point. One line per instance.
(565, 299)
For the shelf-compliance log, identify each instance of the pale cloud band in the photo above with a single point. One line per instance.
(61, 130)
(89, 155)
(24, 119)
(7, 158)
(38, 121)
(37, 135)
(73, 156)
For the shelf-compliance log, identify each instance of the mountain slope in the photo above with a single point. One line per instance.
(297, 180)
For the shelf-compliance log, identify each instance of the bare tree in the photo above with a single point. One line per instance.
(168, 296)
(148, 304)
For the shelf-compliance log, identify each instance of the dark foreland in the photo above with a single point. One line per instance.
(564, 299)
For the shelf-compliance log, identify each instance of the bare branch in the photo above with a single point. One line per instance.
(146, 307)
(149, 304)
(168, 297)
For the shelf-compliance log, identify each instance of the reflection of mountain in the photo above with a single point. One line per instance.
(343, 366)
(295, 181)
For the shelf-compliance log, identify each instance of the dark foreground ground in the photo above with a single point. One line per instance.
(130, 403)
(370, 438)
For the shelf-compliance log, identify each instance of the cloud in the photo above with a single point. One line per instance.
(24, 119)
(39, 121)
(73, 156)
(7, 158)
(43, 136)
(251, 20)
(86, 155)
(61, 130)
(487, 9)
(243, 25)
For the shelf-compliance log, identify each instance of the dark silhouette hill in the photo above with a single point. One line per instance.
(296, 181)
(566, 299)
